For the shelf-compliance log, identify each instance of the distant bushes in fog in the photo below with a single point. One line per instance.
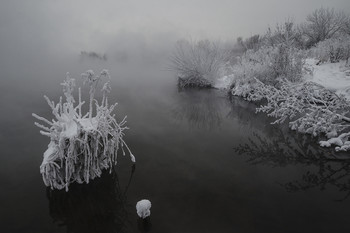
(93, 55)
(198, 63)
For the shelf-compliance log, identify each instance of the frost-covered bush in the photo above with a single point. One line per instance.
(81, 145)
(333, 49)
(270, 65)
(198, 64)
(309, 108)
(255, 64)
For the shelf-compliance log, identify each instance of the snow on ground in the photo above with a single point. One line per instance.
(223, 82)
(333, 76)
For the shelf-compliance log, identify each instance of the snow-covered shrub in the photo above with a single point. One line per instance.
(309, 108)
(333, 49)
(198, 64)
(81, 145)
(280, 102)
(269, 65)
(254, 64)
(250, 90)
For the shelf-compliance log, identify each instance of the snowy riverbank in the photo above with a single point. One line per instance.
(333, 76)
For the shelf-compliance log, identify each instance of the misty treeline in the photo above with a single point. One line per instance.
(325, 33)
(320, 25)
(271, 69)
(198, 63)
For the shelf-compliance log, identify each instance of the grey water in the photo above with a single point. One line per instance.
(207, 163)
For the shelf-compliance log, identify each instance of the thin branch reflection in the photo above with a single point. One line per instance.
(200, 109)
(278, 146)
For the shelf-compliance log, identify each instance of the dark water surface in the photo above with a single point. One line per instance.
(207, 163)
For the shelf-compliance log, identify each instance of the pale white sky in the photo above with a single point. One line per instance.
(102, 24)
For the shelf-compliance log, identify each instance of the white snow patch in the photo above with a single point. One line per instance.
(332, 141)
(341, 142)
(333, 76)
(143, 208)
(223, 82)
(70, 126)
(88, 124)
(69, 129)
(49, 154)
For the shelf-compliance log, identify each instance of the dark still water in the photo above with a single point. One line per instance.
(207, 163)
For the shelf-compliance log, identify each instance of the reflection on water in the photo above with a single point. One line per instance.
(99, 206)
(327, 174)
(325, 168)
(243, 111)
(200, 109)
(280, 150)
(193, 177)
(275, 146)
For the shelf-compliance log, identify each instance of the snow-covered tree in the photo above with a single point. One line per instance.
(323, 23)
(286, 33)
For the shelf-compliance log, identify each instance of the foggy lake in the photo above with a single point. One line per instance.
(204, 158)
(207, 163)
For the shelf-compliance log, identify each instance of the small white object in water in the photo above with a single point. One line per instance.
(143, 208)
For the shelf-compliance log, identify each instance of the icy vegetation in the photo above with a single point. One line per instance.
(306, 87)
(309, 108)
(270, 64)
(81, 145)
(333, 50)
(198, 64)
(298, 74)
(143, 208)
(332, 76)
